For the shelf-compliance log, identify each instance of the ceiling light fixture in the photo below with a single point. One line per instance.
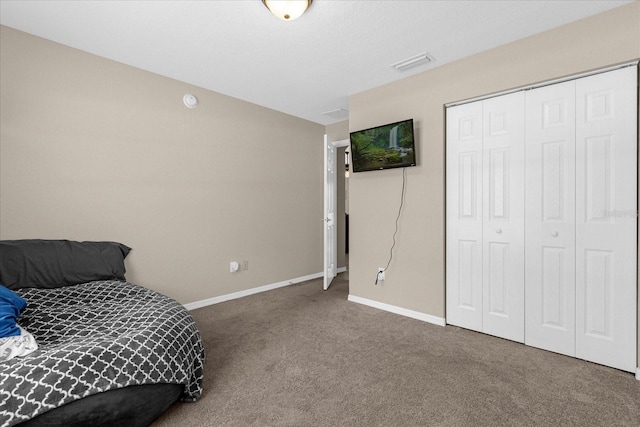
(287, 10)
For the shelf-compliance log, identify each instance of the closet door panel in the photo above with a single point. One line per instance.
(503, 216)
(550, 214)
(464, 216)
(606, 218)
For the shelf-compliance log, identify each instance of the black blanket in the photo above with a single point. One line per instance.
(96, 337)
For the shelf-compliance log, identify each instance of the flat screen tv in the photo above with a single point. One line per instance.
(383, 147)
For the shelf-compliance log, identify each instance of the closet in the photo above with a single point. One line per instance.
(541, 243)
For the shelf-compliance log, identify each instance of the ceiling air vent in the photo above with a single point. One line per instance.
(414, 61)
(338, 114)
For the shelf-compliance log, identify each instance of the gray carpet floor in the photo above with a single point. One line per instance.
(300, 356)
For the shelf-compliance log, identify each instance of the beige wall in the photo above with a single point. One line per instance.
(337, 132)
(416, 277)
(91, 149)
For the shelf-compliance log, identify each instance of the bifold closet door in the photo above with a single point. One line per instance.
(606, 218)
(485, 212)
(542, 215)
(503, 216)
(581, 218)
(550, 218)
(464, 216)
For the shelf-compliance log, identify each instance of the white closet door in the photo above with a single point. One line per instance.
(550, 214)
(503, 216)
(606, 218)
(464, 216)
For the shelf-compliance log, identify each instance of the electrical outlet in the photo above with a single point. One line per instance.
(245, 265)
(380, 273)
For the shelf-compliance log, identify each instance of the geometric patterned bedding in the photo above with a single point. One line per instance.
(95, 337)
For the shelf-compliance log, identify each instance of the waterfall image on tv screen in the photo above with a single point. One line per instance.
(383, 147)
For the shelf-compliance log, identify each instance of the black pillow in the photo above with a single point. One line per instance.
(57, 263)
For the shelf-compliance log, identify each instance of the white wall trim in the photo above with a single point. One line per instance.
(341, 269)
(341, 143)
(638, 373)
(398, 310)
(247, 292)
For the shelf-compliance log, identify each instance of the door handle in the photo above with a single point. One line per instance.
(499, 230)
(554, 233)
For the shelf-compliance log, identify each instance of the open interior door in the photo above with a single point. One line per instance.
(330, 203)
(330, 199)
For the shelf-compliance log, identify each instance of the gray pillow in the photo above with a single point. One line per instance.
(57, 263)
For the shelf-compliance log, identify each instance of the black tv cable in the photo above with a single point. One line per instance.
(404, 180)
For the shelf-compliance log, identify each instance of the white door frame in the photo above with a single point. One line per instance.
(331, 170)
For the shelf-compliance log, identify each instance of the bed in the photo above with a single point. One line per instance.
(109, 352)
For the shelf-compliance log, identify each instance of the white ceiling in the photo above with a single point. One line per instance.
(304, 67)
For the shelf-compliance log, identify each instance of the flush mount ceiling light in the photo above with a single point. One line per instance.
(414, 61)
(287, 10)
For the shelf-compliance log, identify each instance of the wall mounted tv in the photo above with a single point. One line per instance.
(383, 147)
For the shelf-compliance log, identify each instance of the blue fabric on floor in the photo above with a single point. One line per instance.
(11, 305)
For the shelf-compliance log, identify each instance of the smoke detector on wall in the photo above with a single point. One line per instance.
(190, 101)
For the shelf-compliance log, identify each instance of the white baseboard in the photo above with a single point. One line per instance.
(638, 373)
(341, 269)
(247, 292)
(398, 310)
